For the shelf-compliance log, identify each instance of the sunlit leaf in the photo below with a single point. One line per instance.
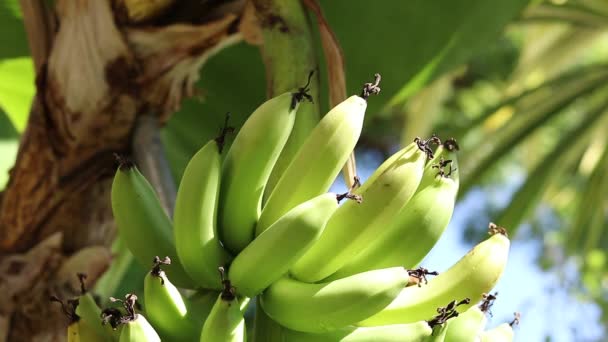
(569, 147)
(17, 89)
(572, 14)
(478, 159)
(9, 142)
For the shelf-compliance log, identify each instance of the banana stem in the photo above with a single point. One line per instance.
(152, 161)
(289, 56)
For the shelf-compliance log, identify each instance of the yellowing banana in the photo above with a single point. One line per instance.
(472, 276)
(271, 254)
(413, 332)
(142, 222)
(196, 237)
(354, 225)
(317, 163)
(413, 232)
(81, 331)
(247, 167)
(502, 333)
(328, 306)
(225, 322)
(166, 308)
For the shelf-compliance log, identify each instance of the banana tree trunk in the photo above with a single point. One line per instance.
(100, 66)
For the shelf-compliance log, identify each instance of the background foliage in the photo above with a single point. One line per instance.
(521, 84)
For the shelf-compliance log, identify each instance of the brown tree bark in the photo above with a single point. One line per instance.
(100, 65)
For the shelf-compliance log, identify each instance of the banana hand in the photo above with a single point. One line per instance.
(354, 225)
(272, 253)
(471, 277)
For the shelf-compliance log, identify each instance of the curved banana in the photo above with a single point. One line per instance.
(354, 225)
(194, 220)
(225, 322)
(317, 163)
(467, 326)
(414, 230)
(271, 254)
(138, 330)
(142, 222)
(413, 332)
(166, 308)
(328, 306)
(471, 277)
(247, 167)
(502, 333)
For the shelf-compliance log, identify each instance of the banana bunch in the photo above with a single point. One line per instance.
(322, 266)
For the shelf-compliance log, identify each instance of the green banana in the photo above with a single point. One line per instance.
(271, 254)
(439, 333)
(467, 326)
(194, 220)
(138, 330)
(413, 332)
(225, 321)
(471, 277)
(133, 327)
(354, 225)
(90, 313)
(142, 223)
(333, 305)
(414, 230)
(166, 308)
(502, 333)
(248, 164)
(317, 163)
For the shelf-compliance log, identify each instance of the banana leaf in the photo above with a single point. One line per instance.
(478, 159)
(569, 147)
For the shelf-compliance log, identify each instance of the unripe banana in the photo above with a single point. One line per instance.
(142, 222)
(354, 225)
(467, 326)
(413, 332)
(166, 308)
(333, 305)
(194, 220)
(271, 254)
(90, 313)
(247, 167)
(471, 277)
(413, 231)
(138, 330)
(317, 163)
(225, 322)
(502, 333)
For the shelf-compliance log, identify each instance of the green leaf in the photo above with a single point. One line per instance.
(477, 160)
(9, 143)
(569, 147)
(13, 40)
(411, 42)
(17, 89)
